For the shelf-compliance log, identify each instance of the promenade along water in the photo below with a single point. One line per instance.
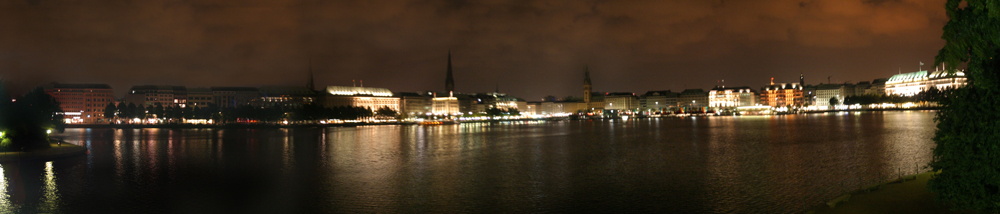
(752, 164)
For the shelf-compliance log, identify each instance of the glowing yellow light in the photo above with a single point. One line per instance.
(48, 131)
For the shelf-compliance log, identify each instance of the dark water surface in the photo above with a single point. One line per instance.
(758, 164)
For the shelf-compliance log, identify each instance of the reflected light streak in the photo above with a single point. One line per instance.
(5, 205)
(50, 201)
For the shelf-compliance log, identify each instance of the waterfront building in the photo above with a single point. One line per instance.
(693, 98)
(150, 95)
(621, 101)
(231, 97)
(285, 97)
(909, 84)
(530, 108)
(445, 106)
(365, 97)
(782, 95)
(826, 91)
(412, 104)
(562, 107)
(809, 95)
(722, 97)
(81, 103)
(201, 97)
(877, 87)
(658, 101)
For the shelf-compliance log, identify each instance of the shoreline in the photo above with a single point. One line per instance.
(55, 152)
(908, 194)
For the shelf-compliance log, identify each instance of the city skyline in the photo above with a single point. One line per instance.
(527, 49)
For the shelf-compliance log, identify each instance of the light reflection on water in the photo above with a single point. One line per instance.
(758, 164)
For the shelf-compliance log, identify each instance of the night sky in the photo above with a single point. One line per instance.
(529, 48)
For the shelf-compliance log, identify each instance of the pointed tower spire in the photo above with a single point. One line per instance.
(802, 79)
(586, 86)
(310, 84)
(449, 81)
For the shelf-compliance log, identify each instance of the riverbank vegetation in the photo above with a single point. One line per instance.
(25, 123)
(967, 154)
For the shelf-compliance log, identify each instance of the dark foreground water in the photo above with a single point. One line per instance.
(776, 164)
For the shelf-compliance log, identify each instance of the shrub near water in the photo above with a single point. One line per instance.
(25, 123)
(968, 131)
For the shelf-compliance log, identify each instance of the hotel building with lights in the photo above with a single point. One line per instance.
(365, 97)
(722, 97)
(909, 84)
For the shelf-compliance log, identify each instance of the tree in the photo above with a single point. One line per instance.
(149, 111)
(966, 152)
(29, 120)
(385, 112)
(834, 101)
(158, 110)
(513, 111)
(134, 111)
(110, 110)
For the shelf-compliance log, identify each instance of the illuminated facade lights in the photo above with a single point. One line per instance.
(731, 97)
(909, 84)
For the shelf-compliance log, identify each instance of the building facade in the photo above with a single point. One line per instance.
(622, 101)
(365, 97)
(782, 95)
(722, 97)
(150, 95)
(201, 98)
(693, 99)
(231, 97)
(82, 103)
(909, 84)
(658, 101)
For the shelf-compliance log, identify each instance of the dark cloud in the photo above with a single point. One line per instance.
(530, 48)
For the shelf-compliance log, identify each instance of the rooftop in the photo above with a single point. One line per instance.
(358, 91)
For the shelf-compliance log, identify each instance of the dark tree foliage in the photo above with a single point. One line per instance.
(386, 112)
(110, 110)
(27, 121)
(134, 111)
(967, 154)
(834, 101)
(158, 110)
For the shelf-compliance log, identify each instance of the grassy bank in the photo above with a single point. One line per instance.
(900, 196)
(57, 151)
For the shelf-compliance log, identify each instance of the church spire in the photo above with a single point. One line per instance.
(586, 85)
(449, 82)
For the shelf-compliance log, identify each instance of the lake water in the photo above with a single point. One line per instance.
(750, 164)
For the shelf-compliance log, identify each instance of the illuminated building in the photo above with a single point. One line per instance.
(150, 95)
(562, 107)
(285, 96)
(826, 91)
(445, 106)
(201, 97)
(365, 97)
(721, 97)
(530, 108)
(693, 98)
(657, 101)
(623, 101)
(230, 97)
(909, 84)
(81, 103)
(782, 95)
(414, 104)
